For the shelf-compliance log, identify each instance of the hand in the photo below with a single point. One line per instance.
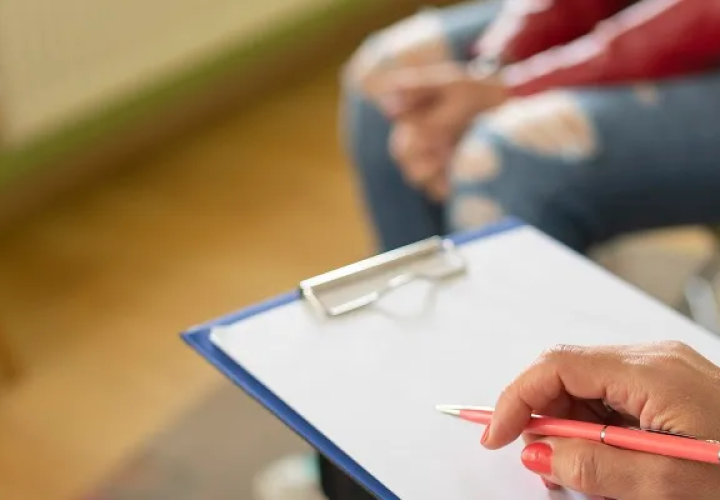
(422, 155)
(417, 41)
(666, 386)
(444, 96)
(432, 107)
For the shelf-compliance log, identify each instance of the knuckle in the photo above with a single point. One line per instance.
(416, 41)
(677, 347)
(508, 391)
(582, 471)
(560, 352)
(365, 63)
(670, 354)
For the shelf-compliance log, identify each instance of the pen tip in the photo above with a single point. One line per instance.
(448, 410)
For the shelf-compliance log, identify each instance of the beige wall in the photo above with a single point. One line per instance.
(60, 58)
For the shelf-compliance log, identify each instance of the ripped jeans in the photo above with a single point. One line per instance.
(583, 165)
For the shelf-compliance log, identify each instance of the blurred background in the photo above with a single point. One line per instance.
(164, 162)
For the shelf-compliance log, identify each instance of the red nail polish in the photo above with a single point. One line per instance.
(549, 485)
(537, 457)
(485, 435)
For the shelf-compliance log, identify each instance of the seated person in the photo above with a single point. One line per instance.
(601, 120)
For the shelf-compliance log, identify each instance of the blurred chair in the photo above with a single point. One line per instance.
(701, 297)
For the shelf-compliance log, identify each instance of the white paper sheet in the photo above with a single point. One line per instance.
(370, 381)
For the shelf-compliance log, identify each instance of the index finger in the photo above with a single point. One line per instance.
(564, 371)
(402, 90)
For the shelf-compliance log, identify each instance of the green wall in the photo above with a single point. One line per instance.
(164, 94)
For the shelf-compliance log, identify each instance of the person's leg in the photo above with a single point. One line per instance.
(587, 165)
(400, 214)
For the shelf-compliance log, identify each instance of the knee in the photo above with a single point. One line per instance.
(552, 126)
(416, 41)
(491, 181)
(365, 62)
(475, 166)
(528, 159)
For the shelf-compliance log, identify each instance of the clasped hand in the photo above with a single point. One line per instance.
(431, 107)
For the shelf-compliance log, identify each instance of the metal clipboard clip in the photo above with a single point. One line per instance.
(363, 283)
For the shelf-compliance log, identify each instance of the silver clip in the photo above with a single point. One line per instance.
(674, 434)
(363, 283)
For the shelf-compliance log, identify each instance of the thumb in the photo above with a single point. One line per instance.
(406, 89)
(597, 469)
(406, 97)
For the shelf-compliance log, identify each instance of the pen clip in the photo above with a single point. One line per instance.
(675, 434)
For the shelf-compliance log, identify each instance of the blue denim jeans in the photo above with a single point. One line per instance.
(655, 160)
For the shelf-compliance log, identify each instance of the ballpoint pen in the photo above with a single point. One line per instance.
(635, 439)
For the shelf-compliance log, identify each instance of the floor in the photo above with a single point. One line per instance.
(96, 287)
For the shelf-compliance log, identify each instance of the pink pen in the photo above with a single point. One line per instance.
(647, 441)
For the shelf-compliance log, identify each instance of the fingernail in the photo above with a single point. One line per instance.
(549, 485)
(485, 435)
(537, 457)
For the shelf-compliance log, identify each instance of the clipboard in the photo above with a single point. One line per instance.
(369, 281)
(199, 339)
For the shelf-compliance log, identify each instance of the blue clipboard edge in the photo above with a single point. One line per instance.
(198, 338)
